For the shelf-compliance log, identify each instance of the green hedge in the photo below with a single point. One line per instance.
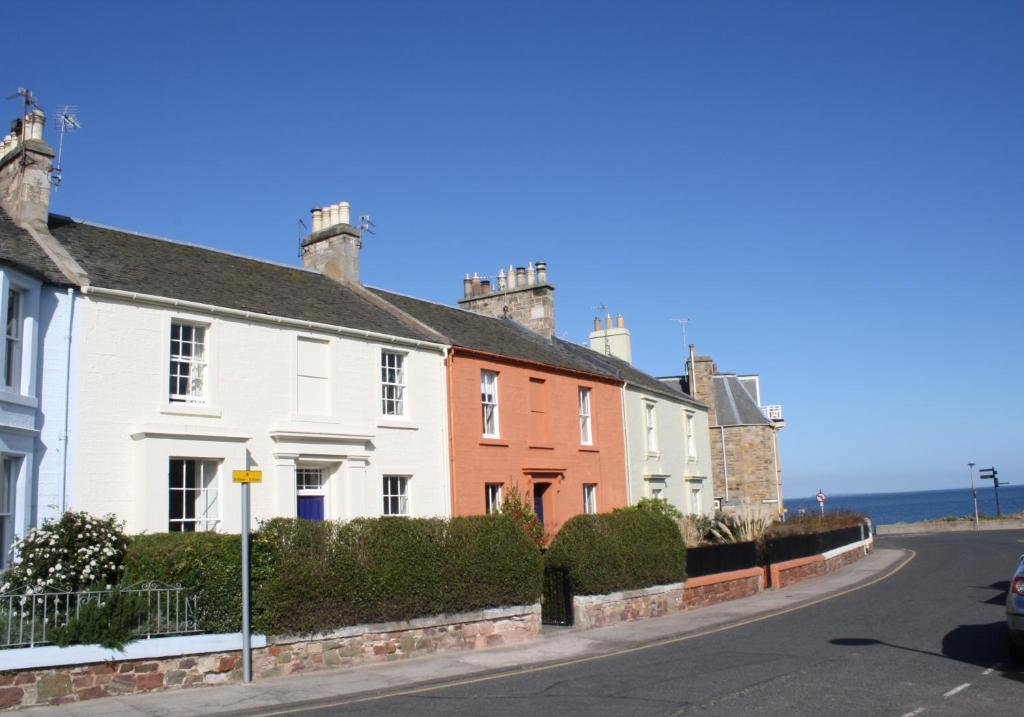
(310, 577)
(623, 550)
(208, 564)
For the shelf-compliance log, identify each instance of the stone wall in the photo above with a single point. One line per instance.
(712, 589)
(590, 611)
(793, 571)
(531, 306)
(750, 453)
(285, 655)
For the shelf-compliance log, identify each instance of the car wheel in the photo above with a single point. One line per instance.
(1016, 651)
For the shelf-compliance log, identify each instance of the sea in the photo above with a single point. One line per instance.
(885, 508)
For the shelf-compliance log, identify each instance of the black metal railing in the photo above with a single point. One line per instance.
(711, 559)
(791, 547)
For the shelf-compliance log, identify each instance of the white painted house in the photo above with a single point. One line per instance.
(668, 450)
(194, 363)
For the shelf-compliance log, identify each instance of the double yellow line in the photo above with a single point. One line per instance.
(592, 658)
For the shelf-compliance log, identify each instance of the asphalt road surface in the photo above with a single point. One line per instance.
(929, 640)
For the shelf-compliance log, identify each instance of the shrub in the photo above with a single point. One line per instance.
(312, 577)
(75, 552)
(208, 565)
(748, 522)
(623, 550)
(696, 529)
(111, 623)
(515, 506)
(659, 505)
(817, 523)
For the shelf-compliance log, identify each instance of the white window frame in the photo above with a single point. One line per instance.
(394, 405)
(197, 376)
(493, 497)
(395, 489)
(651, 427)
(590, 498)
(489, 400)
(207, 496)
(10, 465)
(302, 473)
(586, 423)
(689, 426)
(14, 336)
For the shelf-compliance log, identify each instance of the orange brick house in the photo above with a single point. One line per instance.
(526, 409)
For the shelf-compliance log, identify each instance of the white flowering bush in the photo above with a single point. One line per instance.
(78, 551)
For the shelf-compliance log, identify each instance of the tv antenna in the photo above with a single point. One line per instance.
(683, 323)
(366, 224)
(67, 120)
(21, 126)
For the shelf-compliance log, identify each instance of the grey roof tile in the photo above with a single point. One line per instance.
(734, 405)
(20, 250)
(116, 259)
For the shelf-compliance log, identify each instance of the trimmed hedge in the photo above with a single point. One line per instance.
(208, 564)
(310, 577)
(623, 550)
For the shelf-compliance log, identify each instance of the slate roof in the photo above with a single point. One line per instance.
(507, 338)
(116, 259)
(20, 250)
(734, 405)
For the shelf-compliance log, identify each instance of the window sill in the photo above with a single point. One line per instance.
(541, 446)
(18, 399)
(401, 425)
(187, 409)
(653, 455)
(493, 442)
(590, 449)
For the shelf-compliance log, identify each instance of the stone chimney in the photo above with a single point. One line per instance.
(522, 294)
(699, 371)
(612, 340)
(25, 163)
(332, 248)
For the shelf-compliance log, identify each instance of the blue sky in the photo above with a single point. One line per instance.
(830, 191)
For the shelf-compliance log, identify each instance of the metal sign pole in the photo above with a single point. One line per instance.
(246, 627)
(974, 492)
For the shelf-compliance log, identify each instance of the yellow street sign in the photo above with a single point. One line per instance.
(247, 476)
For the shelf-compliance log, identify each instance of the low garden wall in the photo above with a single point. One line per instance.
(712, 589)
(788, 572)
(592, 611)
(110, 676)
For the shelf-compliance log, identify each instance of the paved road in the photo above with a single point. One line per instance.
(930, 640)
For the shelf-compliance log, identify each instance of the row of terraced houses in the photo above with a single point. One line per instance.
(139, 372)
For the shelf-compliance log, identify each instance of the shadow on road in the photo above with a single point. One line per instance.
(1003, 586)
(981, 645)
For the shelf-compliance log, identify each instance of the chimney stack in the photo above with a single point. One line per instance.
(25, 164)
(332, 247)
(699, 371)
(521, 294)
(612, 340)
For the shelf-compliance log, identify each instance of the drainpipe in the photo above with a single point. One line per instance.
(725, 463)
(625, 438)
(67, 400)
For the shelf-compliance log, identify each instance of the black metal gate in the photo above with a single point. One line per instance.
(556, 602)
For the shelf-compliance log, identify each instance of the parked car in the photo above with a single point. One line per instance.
(1015, 613)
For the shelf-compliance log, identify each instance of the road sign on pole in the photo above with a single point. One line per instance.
(993, 475)
(246, 478)
(974, 494)
(821, 500)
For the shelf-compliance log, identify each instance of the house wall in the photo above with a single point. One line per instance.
(669, 468)
(516, 457)
(129, 429)
(750, 456)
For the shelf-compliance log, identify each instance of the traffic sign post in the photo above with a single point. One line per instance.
(246, 478)
(974, 494)
(821, 501)
(993, 475)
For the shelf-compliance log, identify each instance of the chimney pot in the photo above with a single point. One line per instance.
(343, 213)
(467, 287)
(36, 123)
(502, 285)
(476, 285)
(597, 324)
(608, 321)
(318, 219)
(521, 277)
(485, 287)
(531, 275)
(542, 272)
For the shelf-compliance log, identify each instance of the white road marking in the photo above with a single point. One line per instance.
(918, 711)
(953, 691)
(992, 669)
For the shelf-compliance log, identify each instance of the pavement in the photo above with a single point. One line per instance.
(950, 526)
(557, 646)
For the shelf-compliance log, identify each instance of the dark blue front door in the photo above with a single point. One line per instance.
(311, 507)
(538, 500)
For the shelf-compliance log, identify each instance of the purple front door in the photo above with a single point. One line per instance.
(311, 507)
